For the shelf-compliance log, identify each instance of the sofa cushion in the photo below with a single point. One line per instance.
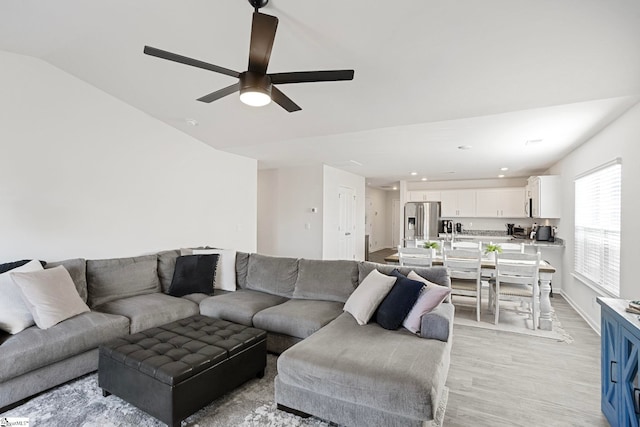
(394, 371)
(398, 302)
(14, 313)
(166, 266)
(50, 295)
(297, 318)
(77, 268)
(326, 280)
(112, 279)
(273, 275)
(34, 348)
(242, 265)
(150, 310)
(194, 274)
(364, 301)
(437, 275)
(239, 306)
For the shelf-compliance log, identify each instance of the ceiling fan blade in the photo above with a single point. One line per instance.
(263, 33)
(159, 53)
(283, 100)
(220, 93)
(311, 76)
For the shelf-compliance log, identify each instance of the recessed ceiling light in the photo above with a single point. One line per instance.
(464, 147)
(414, 173)
(533, 141)
(395, 188)
(500, 176)
(423, 179)
(191, 122)
(504, 169)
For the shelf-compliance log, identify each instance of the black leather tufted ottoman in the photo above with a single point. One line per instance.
(173, 370)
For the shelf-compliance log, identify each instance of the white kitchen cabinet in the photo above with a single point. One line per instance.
(544, 192)
(458, 203)
(423, 196)
(500, 203)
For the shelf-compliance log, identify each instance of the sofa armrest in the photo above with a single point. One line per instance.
(438, 323)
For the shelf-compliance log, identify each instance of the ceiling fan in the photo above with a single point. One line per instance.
(256, 87)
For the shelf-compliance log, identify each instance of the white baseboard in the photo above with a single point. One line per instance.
(594, 325)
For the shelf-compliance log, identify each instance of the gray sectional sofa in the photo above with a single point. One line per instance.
(329, 366)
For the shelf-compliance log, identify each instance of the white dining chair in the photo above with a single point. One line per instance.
(516, 279)
(464, 266)
(415, 257)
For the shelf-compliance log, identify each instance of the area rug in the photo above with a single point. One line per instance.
(512, 319)
(80, 403)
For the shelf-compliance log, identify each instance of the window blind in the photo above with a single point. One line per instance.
(597, 227)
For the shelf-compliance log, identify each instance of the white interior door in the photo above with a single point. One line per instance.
(347, 223)
(395, 223)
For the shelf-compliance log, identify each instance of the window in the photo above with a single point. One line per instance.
(597, 227)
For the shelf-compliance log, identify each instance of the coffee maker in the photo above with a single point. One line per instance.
(510, 229)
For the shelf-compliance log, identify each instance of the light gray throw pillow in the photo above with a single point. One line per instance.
(77, 268)
(50, 295)
(367, 297)
(326, 280)
(112, 279)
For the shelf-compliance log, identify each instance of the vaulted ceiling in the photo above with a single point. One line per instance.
(429, 76)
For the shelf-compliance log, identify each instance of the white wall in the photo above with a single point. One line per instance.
(286, 225)
(620, 139)
(377, 221)
(333, 179)
(83, 174)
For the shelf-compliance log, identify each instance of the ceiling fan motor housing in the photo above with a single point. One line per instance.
(254, 82)
(257, 4)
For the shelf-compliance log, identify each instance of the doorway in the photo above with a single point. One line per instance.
(347, 223)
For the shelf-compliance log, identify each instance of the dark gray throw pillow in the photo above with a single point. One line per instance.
(194, 274)
(398, 302)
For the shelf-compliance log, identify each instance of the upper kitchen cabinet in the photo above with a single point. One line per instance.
(500, 203)
(458, 203)
(543, 192)
(423, 196)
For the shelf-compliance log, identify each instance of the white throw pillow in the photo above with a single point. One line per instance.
(14, 313)
(225, 277)
(368, 295)
(50, 295)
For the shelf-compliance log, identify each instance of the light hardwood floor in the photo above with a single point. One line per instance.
(504, 379)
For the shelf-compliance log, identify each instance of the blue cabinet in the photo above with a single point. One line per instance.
(620, 345)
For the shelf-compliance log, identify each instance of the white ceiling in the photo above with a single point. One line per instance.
(429, 76)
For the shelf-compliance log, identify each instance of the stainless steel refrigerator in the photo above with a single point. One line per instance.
(421, 222)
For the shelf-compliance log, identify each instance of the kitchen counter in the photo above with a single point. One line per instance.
(500, 238)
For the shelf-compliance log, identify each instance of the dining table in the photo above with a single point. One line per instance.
(488, 267)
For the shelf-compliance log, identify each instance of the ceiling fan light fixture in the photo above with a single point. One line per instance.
(254, 97)
(255, 89)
